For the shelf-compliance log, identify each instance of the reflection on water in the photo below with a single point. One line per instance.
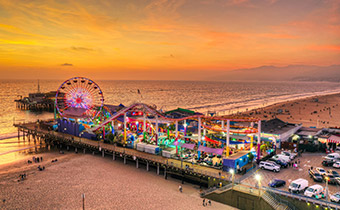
(13, 149)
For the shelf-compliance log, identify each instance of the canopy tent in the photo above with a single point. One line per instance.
(334, 139)
(218, 151)
(188, 146)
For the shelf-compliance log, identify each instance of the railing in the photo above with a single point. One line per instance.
(304, 198)
(282, 201)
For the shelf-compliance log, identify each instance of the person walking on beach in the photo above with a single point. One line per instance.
(209, 201)
(180, 188)
(203, 202)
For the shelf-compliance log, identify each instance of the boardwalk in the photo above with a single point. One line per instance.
(105, 148)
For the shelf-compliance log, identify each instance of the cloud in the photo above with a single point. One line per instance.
(67, 64)
(81, 48)
(328, 48)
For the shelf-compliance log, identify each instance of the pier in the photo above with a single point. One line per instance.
(196, 174)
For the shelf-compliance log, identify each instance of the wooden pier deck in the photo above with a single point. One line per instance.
(197, 173)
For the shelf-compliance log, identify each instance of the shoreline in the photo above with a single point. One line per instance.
(313, 111)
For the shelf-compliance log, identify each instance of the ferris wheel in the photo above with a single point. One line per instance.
(79, 97)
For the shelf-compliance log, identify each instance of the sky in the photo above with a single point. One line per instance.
(163, 39)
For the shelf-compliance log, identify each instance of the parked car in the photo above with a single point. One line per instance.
(320, 171)
(269, 166)
(335, 197)
(280, 162)
(332, 156)
(336, 165)
(289, 154)
(283, 157)
(315, 175)
(315, 191)
(298, 185)
(335, 174)
(277, 183)
(328, 162)
(331, 179)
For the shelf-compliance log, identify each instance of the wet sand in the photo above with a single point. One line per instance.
(107, 184)
(320, 112)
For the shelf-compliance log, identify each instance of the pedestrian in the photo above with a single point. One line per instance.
(203, 202)
(37, 159)
(209, 201)
(33, 159)
(180, 188)
(41, 159)
(298, 161)
(311, 167)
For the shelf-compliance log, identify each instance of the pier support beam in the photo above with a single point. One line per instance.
(113, 156)
(165, 175)
(137, 166)
(103, 153)
(92, 153)
(147, 165)
(124, 159)
(68, 148)
(84, 151)
(157, 169)
(76, 150)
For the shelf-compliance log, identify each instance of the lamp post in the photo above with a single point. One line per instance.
(232, 172)
(327, 180)
(258, 178)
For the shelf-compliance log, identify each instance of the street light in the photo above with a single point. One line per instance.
(232, 172)
(258, 178)
(327, 180)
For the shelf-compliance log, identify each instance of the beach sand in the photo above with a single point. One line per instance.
(320, 111)
(107, 184)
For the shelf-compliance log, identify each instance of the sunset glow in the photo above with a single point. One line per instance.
(158, 38)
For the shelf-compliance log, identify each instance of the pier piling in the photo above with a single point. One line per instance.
(114, 156)
(103, 153)
(84, 151)
(147, 165)
(124, 159)
(137, 166)
(157, 169)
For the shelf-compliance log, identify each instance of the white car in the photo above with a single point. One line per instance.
(336, 165)
(315, 191)
(335, 197)
(298, 185)
(282, 157)
(289, 154)
(321, 171)
(269, 166)
(332, 156)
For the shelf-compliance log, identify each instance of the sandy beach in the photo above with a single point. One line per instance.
(107, 184)
(319, 111)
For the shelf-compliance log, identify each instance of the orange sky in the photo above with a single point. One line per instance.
(120, 39)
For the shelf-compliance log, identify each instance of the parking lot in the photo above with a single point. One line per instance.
(290, 174)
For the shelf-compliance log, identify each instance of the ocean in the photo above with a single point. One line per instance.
(202, 96)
